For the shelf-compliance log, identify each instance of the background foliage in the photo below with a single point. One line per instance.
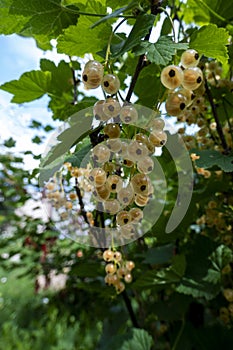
(182, 293)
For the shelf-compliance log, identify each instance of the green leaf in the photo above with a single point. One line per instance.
(80, 127)
(162, 51)
(148, 87)
(141, 341)
(116, 13)
(77, 159)
(61, 76)
(10, 23)
(210, 158)
(198, 289)
(221, 257)
(30, 86)
(72, 41)
(139, 31)
(44, 16)
(10, 143)
(172, 274)
(159, 255)
(211, 41)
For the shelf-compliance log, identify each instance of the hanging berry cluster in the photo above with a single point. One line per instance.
(182, 81)
(117, 174)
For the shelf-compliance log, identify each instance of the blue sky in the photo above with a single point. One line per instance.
(19, 55)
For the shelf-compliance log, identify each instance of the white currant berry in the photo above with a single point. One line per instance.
(192, 78)
(98, 111)
(137, 150)
(157, 124)
(129, 265)
(97, 176)
(111, 84)
(145, 165)
(108, 255)
(92, 74)
(121, 272)
(112, 206)
(123, 218)
(111, 107)
(110, 268)
(172, 76)
(176, 103)
(128, 114)
(117, 256)
(115, 183)
(141, 184)
(190, 58)
(103, 192)
(125, 195)
(128, 278)
(112, 130)
(101, 153)
(120, 287)
(141, 200)
(136, 215)
(128, 163)
(114, 145)
(158, 138)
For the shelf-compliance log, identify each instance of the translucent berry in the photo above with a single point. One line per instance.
(110, 268)
(97, 176)
(141, 184)
(140, 200)
(190, 58)
(103, 192)
(128, 114)
(193, 78)
(129, 265)
(120, 287)
(101, 153)
(111, 107)
(157, 124)
(98, 111)
(92, 74)
(145, 165)
(172, 76)
(112, 206)
(114, 145)
(117, 256)
(112, 130)
(141, 138)
(128, 163)
(125, 195)
(121, 272)
(136, 215)
(176, 103)
(137, 150)
(128, 278)
(123, 218)
(108, 255)
(158, 138)
(111, 84)
(115, 183)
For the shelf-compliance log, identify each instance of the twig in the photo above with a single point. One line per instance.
(155, 9)
(75, 83)
(130, 309)
(80, 199)
(216, 118)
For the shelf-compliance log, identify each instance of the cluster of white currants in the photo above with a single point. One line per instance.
(117, 270)
(182, 81)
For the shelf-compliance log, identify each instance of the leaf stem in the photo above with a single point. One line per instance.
(91, 14)
(178, 335)
(80, 199)
(216, 118)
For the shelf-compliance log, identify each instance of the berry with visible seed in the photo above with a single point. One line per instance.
(111, 107)
(193, 78)
(128, 114)
(190, 58)
(172, 77)
(110, 84)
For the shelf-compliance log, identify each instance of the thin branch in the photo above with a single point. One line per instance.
(155, 9)
(75, 84)
(80, 199)
(130, 309)
(216, 118)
